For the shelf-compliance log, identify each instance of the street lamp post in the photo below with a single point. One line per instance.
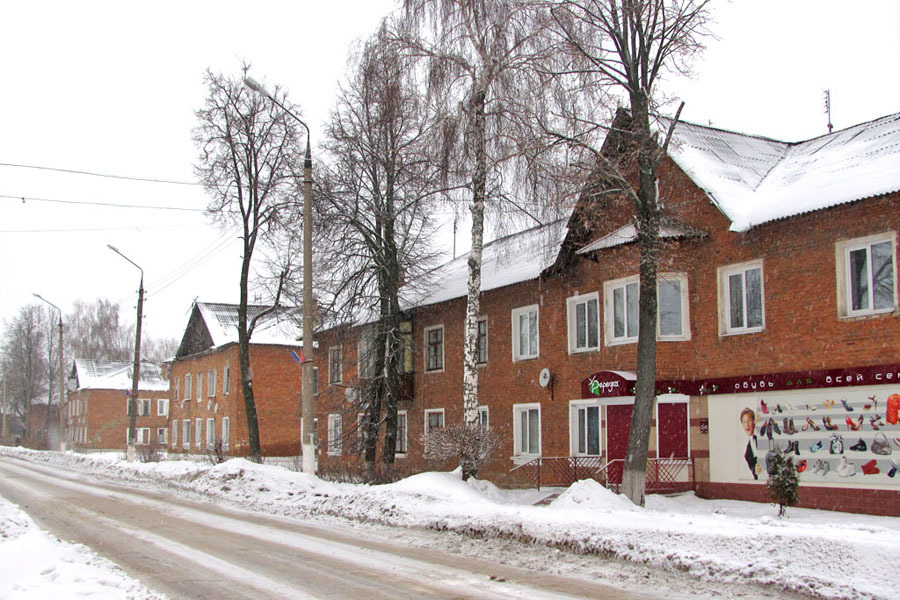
(136, 371)
(307, 434)
(61, 404)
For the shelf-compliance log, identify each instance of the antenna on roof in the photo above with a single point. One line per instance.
(828, 108)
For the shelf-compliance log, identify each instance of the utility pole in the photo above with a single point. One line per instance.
(61, 404)
(828, 108)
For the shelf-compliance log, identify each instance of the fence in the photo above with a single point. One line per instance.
(663, 474)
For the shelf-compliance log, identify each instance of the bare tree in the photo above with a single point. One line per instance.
(24, 361)
(375, 200)
(613, 47)
(249, 152)
(474, 51)
(93, 330)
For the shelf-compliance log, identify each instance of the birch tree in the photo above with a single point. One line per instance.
(249, 155)
(619, 50)
(375, 201)
(474, 51)
(24, 359)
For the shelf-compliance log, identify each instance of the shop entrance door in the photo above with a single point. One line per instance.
(618, 426)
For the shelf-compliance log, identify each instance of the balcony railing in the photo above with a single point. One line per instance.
(663, 474)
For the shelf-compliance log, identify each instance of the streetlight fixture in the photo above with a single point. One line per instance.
(62, 375)
(136, 371)
(307, 435)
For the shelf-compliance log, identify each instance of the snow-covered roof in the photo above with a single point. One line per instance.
(627, 234)
(512, 259)
(116, 375)
(754, 180)
(282, 327)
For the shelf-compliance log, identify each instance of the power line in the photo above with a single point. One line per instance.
(92, 174)
(79, 229)
(107, 204)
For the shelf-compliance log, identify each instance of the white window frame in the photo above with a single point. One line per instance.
(425, 428)
(478, 347)
(162, 436)
(198, 432)
(365, 358)
(162, 407)
(575, 407)
(226, 380)
(519, 409)
(484, 418)
(723, 277)
(199, 377)
(609, 288)
(427, 356)
(844, 285)
(211, 376)
(530, 353)
(335, 434)
(142, 436)
(143, 407)
(186, 434)
(188, 386)
(572, 304)
(226, 433)
(210, 431)
(402, 448)
(332, 380)
(174, 439)
(176, 388)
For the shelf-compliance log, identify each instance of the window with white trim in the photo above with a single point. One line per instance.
(143, 436)
(211, 383)
(177, 389)
(621, 301)
(198, 432)
(402, 432)
(365, 353)
(525, 338)
(335, 434)
(174, 434)
(481, 342)
(226, 433)
(527, 429)
(199, 377)
(867, 275)
(143, 405)
(741, 306)
(226, 380)
(583, 312)
(210, 432)
(434, 348)
(584, 429)
(186, 433)
(434, 420)
(334, 365)
(484, 418)
(162, 407)
(162, 436)
(188, 387)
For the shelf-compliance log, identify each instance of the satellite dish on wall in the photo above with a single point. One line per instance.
(544, 377)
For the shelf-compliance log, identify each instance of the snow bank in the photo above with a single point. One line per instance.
(818, 553)
(35, 565)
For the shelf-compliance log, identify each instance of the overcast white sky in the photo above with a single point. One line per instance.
(110, 87)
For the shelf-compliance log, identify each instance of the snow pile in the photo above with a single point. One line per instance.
(818, 553)
(36, 565)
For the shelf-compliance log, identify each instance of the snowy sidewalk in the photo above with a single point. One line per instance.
(818, 553)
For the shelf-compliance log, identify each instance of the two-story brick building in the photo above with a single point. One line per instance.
(778, 327)
(207, 398)
(97, 416)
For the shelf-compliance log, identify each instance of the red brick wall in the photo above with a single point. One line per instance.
(276, 386)
(104, 414)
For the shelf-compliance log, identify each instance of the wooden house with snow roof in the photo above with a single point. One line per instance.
(97, 416)
(207, 398)
(778, 329)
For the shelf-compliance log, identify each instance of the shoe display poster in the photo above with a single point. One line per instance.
(835, 436)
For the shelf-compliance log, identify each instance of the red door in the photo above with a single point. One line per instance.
(618, 426)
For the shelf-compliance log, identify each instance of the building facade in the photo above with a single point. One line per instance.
(778, 329)
(97, 410)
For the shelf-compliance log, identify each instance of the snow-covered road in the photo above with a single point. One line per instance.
(189, 550)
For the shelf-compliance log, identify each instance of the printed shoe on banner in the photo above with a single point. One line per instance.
(846, 468)
(859, 446)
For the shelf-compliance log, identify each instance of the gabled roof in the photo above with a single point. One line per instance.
(212, 325)
(116, 375)
(754, 180)
(628, 233)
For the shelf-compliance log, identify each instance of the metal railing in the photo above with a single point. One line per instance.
(663, 474)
